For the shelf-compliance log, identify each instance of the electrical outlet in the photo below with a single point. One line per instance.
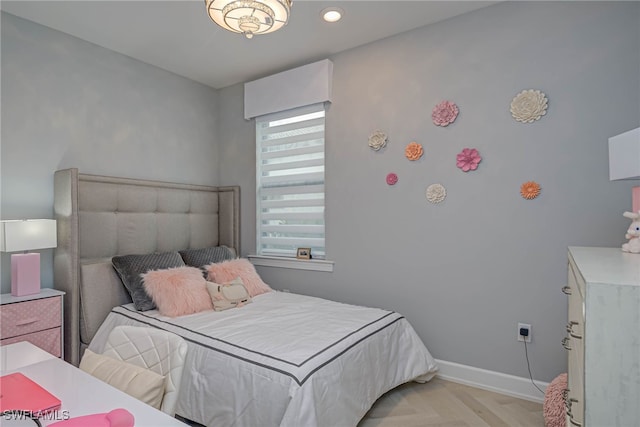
(522, 337)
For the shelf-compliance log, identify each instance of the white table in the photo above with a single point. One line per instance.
(80, 393)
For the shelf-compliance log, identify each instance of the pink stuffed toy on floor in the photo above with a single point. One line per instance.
(553, 407)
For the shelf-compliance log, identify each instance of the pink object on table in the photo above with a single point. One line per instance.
(21, 393)
(25, 274)
(116, 418)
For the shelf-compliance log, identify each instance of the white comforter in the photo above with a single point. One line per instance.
(287, 360)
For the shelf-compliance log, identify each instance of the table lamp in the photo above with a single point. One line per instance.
(624, 161)
(26, 235)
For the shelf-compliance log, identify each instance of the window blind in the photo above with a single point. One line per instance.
(290, 182)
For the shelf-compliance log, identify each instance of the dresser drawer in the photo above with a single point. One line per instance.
(30, 316)
(49, 340)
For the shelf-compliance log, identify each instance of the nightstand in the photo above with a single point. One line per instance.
(34, 318)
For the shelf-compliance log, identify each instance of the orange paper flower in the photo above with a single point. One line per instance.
(530, 190)
(413, 151)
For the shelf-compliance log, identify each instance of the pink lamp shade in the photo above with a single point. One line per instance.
(25, 235)
(624, 161)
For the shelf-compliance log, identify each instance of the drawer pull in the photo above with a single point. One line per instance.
(568, 403)
(565, 344)
(566, 290)
(570, 330)
(574, 422)
(27, 321)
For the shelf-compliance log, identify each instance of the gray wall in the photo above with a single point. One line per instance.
(465, 272)
(69, 103)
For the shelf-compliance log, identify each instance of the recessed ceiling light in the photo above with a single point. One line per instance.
(332, 14)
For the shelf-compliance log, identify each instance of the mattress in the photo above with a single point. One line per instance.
(286, 360)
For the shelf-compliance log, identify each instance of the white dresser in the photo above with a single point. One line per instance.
(603, 338)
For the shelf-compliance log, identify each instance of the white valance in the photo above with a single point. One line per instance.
(306, 85)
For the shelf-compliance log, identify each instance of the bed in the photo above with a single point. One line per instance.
(284, 359)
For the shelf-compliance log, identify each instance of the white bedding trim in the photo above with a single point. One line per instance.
(287, 359)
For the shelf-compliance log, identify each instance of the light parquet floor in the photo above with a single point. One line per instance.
(447, 404)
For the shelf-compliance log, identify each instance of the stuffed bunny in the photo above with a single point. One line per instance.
(633, 233)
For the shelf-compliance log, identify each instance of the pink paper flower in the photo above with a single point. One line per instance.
(468, 159)
(444, 113)
(392, 178)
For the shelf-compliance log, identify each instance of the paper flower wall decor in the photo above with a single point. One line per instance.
(530, 190)
(468, 159)
(413, 151)
(392, 178)
(528, 106)
(377, 140)
(444, 113)
(436, 193)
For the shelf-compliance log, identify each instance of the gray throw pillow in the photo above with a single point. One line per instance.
(202, 257)
(131, 267)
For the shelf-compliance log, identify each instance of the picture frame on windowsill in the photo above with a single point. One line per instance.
(303, 253)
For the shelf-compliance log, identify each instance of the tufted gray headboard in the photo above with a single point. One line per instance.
(100, 217)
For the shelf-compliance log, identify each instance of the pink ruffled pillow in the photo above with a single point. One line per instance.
(226, 271)
(178, 291)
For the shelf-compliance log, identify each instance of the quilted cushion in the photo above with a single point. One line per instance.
(136, 381)
(205, 256)
(131, 267)
(157, 350)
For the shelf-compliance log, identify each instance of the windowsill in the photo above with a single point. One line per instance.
(292, 263)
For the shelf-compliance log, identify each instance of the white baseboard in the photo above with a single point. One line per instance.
(490, 380)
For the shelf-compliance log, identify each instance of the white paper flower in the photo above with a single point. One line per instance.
(436, 193)
(377, 140)
(528, 106)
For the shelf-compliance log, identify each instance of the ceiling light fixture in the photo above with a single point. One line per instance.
(249, 17)
(332, 14)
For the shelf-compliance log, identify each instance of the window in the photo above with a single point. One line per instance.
(290, 182)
